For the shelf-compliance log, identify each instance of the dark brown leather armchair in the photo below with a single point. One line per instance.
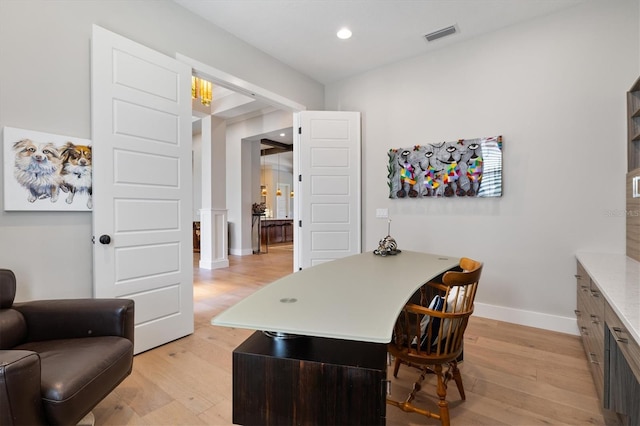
(60, 358)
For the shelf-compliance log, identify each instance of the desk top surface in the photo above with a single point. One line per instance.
(618, 278)
(355, 298)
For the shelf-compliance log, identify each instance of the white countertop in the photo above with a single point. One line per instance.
(618, 278)
(356, 298)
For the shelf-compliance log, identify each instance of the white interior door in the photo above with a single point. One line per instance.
(328, 196)
(141, 131)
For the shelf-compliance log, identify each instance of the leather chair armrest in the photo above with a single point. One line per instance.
(73, 318)
(20, 399)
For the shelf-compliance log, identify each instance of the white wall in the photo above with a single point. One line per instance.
(555, 89)
(45, 86)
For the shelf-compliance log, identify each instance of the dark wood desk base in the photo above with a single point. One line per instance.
(309, 381)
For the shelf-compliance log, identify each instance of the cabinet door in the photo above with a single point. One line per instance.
(309, 381)
(623, 385)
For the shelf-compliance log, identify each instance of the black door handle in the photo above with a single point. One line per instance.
(104, 239)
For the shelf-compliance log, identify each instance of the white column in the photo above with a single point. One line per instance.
(213, 239)
(213, 215)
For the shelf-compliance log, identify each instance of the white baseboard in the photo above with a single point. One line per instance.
(216, 264)
(529, 318)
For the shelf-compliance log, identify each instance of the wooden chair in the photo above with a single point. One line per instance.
(430, 337)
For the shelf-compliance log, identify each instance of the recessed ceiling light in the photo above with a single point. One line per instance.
(344, 33)
(282, 135)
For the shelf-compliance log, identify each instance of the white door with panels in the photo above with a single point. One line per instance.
(328, 194)
(141, 135)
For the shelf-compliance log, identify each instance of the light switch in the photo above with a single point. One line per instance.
(382, 213)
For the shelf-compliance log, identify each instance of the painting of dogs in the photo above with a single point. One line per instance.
(76, 170)
(37, 168)
(40, 168)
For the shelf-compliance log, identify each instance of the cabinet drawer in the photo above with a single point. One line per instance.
(596, 307)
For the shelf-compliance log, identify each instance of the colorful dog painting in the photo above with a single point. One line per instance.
(463, 168)
(40, 167)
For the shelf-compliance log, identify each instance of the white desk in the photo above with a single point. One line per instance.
(355, 298)
(343, 312)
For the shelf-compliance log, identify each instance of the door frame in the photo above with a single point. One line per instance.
(231, 82)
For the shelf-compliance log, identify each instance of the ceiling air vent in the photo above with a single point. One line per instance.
(440, 33)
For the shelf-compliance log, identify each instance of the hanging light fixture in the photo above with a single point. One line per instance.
(201, 89)
(278, 191)
(263, 187)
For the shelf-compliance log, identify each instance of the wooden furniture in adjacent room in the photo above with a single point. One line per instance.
(608, 313)
(431, 337)
(342, 341)
(196, 237)
(277, 231)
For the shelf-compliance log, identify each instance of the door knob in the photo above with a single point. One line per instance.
(104, 239)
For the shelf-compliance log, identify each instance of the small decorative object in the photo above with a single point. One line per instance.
(46, 172)
(463, 168)
(259, 208)
(387, 245)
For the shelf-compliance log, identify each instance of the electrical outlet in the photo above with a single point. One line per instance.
(382, 213)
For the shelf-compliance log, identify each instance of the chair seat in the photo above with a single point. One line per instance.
(76, 372)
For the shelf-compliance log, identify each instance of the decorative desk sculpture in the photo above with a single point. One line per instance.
(387, 245)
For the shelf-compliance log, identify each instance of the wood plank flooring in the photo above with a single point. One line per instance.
(513, 375)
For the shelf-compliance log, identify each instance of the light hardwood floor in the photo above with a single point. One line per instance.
(513, 375)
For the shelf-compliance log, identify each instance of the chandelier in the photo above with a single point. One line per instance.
(201, 89)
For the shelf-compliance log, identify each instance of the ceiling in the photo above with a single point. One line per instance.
(302, 34)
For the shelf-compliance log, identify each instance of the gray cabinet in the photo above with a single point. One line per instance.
(622, 375)
(613, 354)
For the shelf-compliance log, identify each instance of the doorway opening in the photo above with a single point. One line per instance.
(236, 103)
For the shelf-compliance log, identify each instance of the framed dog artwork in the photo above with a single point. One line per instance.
(46, 172)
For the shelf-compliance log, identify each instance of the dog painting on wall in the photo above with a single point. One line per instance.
(39, 168)
(76, 171)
